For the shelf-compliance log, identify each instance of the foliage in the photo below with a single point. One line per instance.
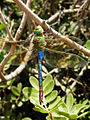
(17, 98)
(56, 106)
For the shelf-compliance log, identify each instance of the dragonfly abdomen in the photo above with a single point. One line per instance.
(40, 54)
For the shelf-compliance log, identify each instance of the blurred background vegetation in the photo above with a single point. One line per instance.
(75, 25)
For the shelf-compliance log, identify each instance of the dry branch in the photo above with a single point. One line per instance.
(6, 26)
(41, 22)
(17, 36)
(61, 13)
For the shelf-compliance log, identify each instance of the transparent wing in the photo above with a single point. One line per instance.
(62, 59)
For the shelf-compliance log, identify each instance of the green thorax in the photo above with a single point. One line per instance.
(39, 40)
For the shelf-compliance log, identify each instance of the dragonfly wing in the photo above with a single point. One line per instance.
(63, 60)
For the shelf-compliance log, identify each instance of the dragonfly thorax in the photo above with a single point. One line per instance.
(39, 41)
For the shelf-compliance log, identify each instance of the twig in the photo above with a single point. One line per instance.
(23, 22)
(50, 115)
(61, 13)
(6, 26)
(23, 63)
(44, 4)
(17, 36)
(2, 78)
(74, 83)
(41, 22)
(83, 5)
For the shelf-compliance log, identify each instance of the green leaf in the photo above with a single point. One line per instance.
(57, 118)
(83, 114)
(34, 96)
(47, 80)
(19, 103)
(51, 96)
(88, 44)
(24, 99)
(13, 97)
(2, 54)
(85, 102)
(48, 88)
(15, 91)
(9, 1)
(58, 112)
(34, 100)
(2, 26)
(55, 103)
(26, 118)
(69, 101)
(74, 116)
(76, 108)
(19, 86)
(34, 93)
(27, 91)
(34, 82)
(40, 108)
(85, 107)
(63, 107)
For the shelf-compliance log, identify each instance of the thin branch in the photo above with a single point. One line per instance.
(17, 36)
(6, 26)
(23, 63)
(75, 82)
(23, 22)
(2, 78)
(43, 7)
(61, 13)
(41, 22)
(83, 5)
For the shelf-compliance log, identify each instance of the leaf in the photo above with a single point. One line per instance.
(27, 91)
(2, 54)
(69, 101)
(19, 103)
(9, 83)
(47, 80)
(74, 116)
(34, 82)
(88, 44)
(34, 93)
(58, 112)
(76, 108)
(57, 118)
(85, 102)
(48, 85)
(26, 118)
(19, 86)
(55, 103)
(48, 88)
(2, 26)
(13, 97)
(51, 96)
(24, 99)
(63, 107)
(34, 100)
(85, 107)
(39, 108)
(15, 91)
(83, 114)
(9, 62)
(34, 96)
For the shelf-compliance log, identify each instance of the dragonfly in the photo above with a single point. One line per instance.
(54, 52)
(52, 57)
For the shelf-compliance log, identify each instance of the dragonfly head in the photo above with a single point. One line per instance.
(38, 30)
